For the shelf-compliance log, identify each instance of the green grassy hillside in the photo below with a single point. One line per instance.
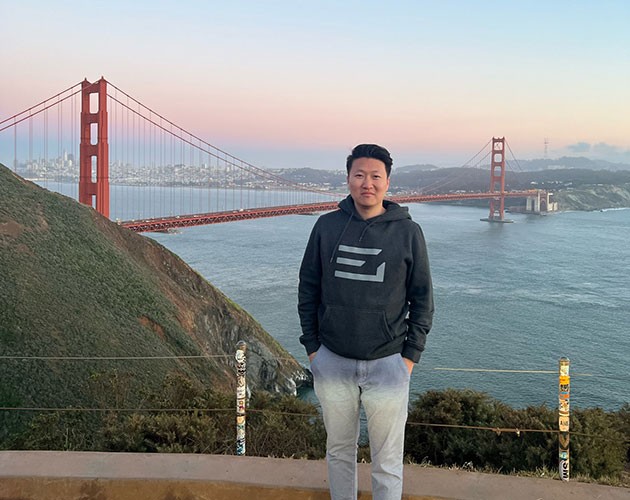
(74, 284)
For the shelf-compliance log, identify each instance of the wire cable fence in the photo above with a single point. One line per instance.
(487, 371)
(497, 430)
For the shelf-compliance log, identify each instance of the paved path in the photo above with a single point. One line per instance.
(48, 475)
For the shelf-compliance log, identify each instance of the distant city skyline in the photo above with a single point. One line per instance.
(297, 84)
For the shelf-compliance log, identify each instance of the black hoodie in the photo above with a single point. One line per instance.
(365, 287)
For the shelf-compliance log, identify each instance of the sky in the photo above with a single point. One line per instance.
(290, 84)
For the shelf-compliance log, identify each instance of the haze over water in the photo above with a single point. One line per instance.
(508, 297)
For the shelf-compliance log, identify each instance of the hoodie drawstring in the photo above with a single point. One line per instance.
(339, 240)
(367, 226)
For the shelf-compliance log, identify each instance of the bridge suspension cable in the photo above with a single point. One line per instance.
(440, 184)
(14, 120)
(156, 170)
(205, 147)
(179, 170)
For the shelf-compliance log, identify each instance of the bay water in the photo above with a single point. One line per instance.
(511, 299)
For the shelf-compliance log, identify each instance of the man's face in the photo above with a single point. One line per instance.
(368, 183)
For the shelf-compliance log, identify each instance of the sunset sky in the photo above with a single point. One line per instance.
(294, 84)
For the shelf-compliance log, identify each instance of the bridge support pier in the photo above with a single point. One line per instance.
(497, 181)
(94, 148)
(541, 203)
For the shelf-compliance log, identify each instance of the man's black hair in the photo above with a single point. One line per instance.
(370, 151)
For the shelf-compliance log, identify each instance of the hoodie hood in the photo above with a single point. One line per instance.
(393, 212)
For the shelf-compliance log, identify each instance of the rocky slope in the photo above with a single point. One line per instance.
(597, 197)
(74, 284)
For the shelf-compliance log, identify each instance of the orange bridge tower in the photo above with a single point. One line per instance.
(94, 149)
(497, 181)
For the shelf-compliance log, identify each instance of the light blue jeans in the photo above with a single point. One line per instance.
(382, 386)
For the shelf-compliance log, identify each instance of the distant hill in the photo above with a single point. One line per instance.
(311, 176)
(336, 179)
(575, 188)
(402, 175)
(74, 284)
(478, 179)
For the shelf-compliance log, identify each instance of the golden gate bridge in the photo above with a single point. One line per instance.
(104, 147)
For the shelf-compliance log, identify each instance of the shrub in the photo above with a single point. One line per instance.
(450, 446)
(188, 418)
(600, 452)
(623, 421)
(184, 418)
(200, 424)
(67, 430)
(284, 427)
(178, 432)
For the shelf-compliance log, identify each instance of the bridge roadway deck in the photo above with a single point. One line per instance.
(48, 475)
(179, 221)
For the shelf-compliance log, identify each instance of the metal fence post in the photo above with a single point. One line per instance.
(563, 419)
(241, 396)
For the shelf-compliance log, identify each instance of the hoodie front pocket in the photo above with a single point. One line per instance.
(354, 332)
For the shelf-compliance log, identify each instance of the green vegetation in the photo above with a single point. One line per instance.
(599, 440)
(74, 284)
(184, 417)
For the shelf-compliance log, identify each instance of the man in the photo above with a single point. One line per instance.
(365, 306)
